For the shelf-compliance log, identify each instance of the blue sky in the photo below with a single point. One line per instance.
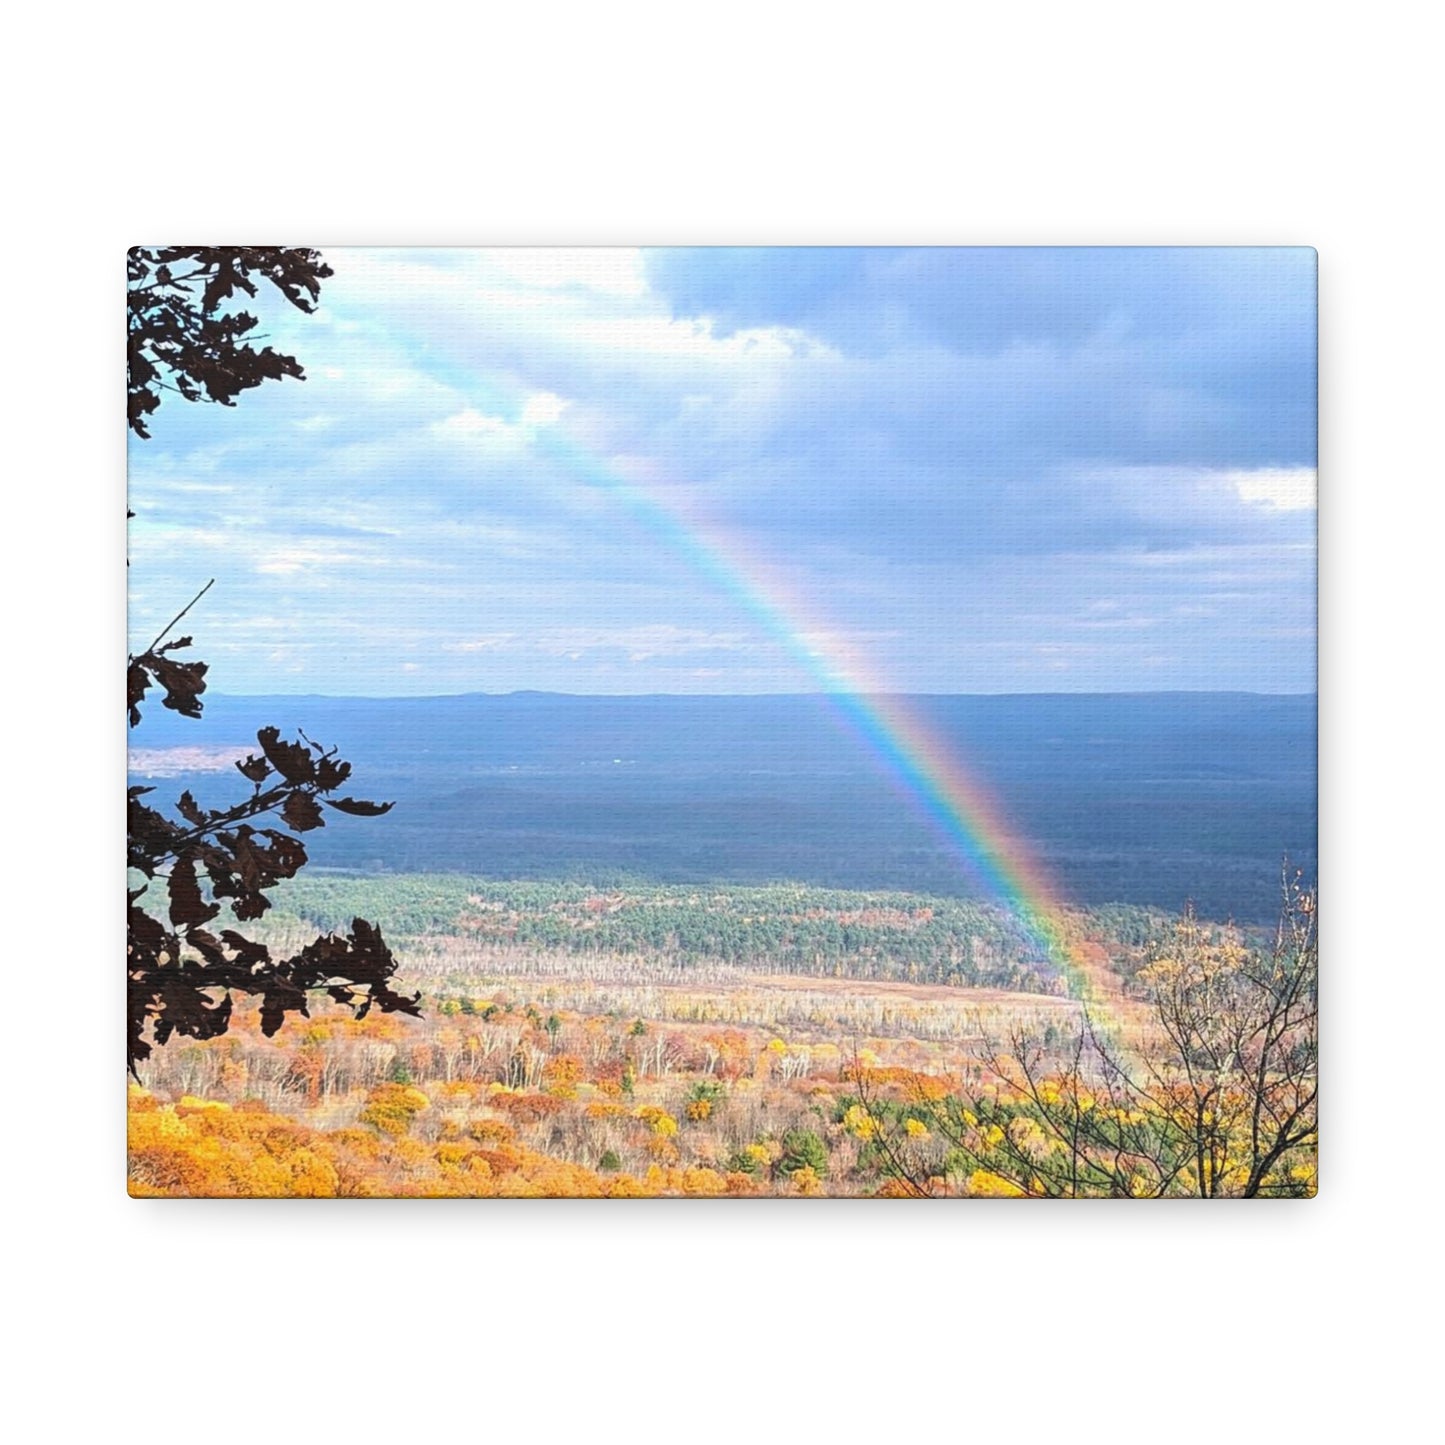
(632, 471)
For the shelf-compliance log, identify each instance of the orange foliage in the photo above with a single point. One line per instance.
(526, 1108)
(906, 1083)
(491, 1131)
(894, 1189)
(327, 1116)
(562, 1075)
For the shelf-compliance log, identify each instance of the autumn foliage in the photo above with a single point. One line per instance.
(1217, 1099)
(562, 1084)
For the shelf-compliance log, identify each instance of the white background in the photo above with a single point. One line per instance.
(776, 123)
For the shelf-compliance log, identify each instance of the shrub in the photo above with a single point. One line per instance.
(390, 1108)
(803, 1149)
(705, 1096)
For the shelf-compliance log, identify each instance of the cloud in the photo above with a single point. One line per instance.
(610, 270)
(1285, 489)
(522, 458)
(637, 644)
(1237, 306)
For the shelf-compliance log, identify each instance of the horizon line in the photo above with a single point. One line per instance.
(811, 693)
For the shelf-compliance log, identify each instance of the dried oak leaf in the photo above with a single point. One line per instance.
(180, 1006)
(302, 812)
(292, 760)
(331, 773)
(358, 806)
(184, 683)
(254, 768)
(188, 908)
(191, 810)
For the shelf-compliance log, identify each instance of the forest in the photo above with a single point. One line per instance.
(750, 790)
(783, 928)
(782, 1041)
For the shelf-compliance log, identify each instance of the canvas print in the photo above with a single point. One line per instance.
(722, 722)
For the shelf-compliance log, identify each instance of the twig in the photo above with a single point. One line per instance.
(161, 636)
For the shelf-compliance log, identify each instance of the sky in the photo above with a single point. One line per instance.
(754, 470)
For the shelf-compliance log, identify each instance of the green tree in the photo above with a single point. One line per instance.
(802, 1149)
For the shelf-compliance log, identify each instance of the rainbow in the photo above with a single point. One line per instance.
(956, 805)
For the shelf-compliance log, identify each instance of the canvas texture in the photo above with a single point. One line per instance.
(722, 723)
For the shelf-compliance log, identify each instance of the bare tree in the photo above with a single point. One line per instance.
(1219, 1099)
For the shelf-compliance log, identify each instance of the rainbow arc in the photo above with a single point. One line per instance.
(903, 744)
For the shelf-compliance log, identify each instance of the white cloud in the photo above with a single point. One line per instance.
(472, 423)
(285, 560)
(185, 487)
(640, 643)
(542, 409)
(612, 270)
(500, 641)
(691, 339)
(1286, 489)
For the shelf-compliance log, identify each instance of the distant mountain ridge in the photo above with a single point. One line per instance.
(1124, 797)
